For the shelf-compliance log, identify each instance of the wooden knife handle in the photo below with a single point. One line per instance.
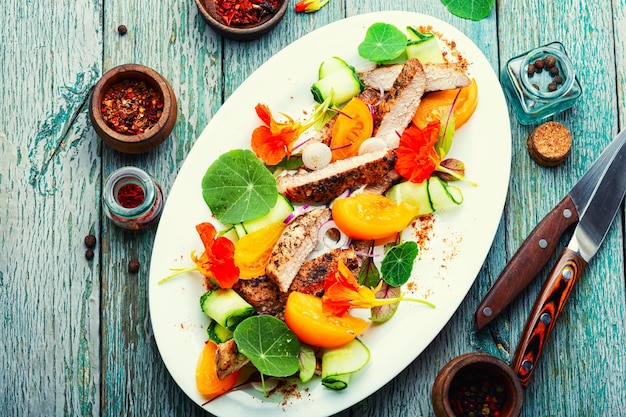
(554, 294)
(527, 262)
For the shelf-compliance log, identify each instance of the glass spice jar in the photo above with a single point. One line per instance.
(540, 83)
(132, 199)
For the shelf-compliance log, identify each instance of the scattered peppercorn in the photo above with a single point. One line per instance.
(133, 266)
(550, 61)
(122, 30)
(554, 71)
(539, 64)
(476, 394)
(558, 79)
(531, 70)
(90, 241)
(89, 254)
(552, 87)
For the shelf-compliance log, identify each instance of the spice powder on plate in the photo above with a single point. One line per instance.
(131, 107)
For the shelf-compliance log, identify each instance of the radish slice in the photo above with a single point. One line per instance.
(372, 145)
(316, 155)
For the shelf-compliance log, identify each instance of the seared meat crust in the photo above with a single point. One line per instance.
(228, 359)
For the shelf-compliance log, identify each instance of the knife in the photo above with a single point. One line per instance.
(587, 238)
(541, 243)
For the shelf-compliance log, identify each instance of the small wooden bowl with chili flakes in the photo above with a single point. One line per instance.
(242, 20)
(133, 108)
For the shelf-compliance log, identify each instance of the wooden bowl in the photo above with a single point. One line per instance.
(479, 367)
(151, 137)
(241, 32)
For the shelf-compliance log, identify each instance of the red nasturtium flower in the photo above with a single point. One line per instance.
(310, 6)
(217, 260)
(416, 156)
(342, 292)
(275, 141)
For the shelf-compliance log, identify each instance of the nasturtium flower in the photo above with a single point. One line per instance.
(273, 142)
(416, 156)
(310, 6)
(342, 292)
(216, 262)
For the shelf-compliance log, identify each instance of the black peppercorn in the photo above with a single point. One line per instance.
(558, 79)
(122, 30)
(552, 87)
(90, 241)
(554, 71)
(133, 266)
(550, 61)
(539, 64)
(89, 254)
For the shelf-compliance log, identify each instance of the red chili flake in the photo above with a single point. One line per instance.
(130, 195)
(245, 12)
(131, 107)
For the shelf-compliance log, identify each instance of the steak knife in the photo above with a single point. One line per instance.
(541, 243)
(587, 238)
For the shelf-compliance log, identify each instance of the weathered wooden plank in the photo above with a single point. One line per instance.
(49, 188)
(173, 39)
(586, 336)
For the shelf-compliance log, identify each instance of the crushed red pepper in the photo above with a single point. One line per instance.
(131, 107)
(245, 12)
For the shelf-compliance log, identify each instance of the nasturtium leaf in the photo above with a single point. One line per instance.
(397, 265)
(269, 344)
(383, 313)
(383, 42)
(470, 9)
(238, 187)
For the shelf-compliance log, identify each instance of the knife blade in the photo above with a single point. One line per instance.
(536, 250)
(587, 238)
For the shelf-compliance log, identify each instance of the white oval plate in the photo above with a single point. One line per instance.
(444, 272)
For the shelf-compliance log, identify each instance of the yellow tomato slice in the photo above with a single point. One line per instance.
(368, 216)
(253, 251)
(305, 316)
(435, 105)
(207, 381)
(353, 125)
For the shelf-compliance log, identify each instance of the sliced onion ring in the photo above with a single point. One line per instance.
(329, 243)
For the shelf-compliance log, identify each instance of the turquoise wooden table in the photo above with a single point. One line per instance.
(76, 334)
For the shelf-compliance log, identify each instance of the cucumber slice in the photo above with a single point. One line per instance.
(340, 86)
(226, 307)
(278, 213)
(331, 65)
(428, 196)
(306, 362)
(442, 195)
(423, 46)
(218, 333)
(415, 194)
(339, 363)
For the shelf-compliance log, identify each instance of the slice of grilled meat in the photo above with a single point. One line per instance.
(321, 186)
(311, 276)
(439, 77)
(228, 359)
(263, 294)
(294, 245)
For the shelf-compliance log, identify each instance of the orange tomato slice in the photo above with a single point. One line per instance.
(207, 381)
(370, 216)
(437, 104)
(353, 125)
(253, 251)
(305, 316)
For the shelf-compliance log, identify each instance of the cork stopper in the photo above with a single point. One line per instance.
(549, 144)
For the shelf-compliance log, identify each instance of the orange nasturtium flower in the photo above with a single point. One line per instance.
(273, 142)
(342, 292)
(217, 260)
(310, 6)
(417, 157)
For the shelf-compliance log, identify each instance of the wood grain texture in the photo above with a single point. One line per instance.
(77, 338)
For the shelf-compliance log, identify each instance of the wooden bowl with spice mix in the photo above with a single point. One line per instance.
(133, 108)
(242, 20)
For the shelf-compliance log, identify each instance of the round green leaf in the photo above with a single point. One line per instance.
(383, 42)
(470, 9)
(397, 265)
(238, 187)
(269, 344)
